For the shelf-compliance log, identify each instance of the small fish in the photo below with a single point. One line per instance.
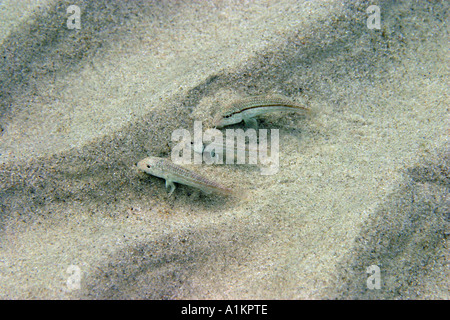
(221, 150)
(166, 169)
(248, 108)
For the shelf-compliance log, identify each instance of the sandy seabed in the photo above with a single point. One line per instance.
(362, 182)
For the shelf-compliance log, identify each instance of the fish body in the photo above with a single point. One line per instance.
(173, 173)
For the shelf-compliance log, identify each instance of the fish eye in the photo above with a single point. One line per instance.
(148, 166)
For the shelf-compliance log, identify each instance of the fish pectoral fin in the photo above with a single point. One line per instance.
(170, 186)
(252, 123)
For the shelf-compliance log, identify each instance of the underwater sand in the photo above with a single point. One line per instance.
(364, 181)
